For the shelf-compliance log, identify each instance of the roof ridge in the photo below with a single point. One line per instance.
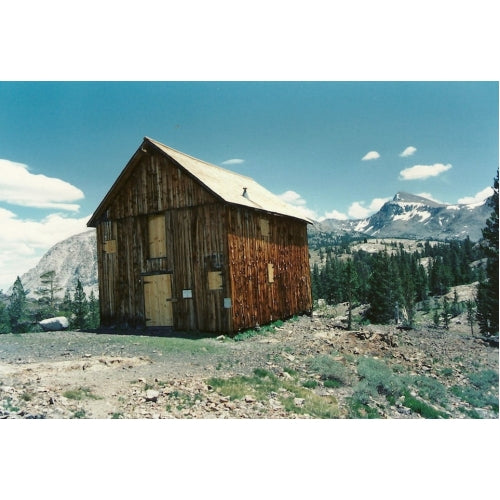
(158, 143)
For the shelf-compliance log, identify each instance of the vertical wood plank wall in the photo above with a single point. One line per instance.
(253, 245)
(202, 236)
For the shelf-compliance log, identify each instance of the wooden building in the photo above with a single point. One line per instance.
(190, 245)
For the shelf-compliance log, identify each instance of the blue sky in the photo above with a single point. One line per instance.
(335, 149)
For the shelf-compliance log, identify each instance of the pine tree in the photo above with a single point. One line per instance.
(487, 292)
(471, 315)
(94, 315)
(18, 308)
(350, 286)
(446, 313)
(383, 293)
(79, 307)
(4, 318)
(46, 292)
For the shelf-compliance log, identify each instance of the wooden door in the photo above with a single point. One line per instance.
(158, 300)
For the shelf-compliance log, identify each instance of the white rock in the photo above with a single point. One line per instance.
(54, 324)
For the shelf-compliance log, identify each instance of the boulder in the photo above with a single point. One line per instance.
(54, 324)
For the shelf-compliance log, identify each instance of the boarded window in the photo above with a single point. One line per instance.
(270, 273)
(110, 246)
(264, 227)
(215, 280)
(156, 235)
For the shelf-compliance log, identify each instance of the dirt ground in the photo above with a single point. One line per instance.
(103, 375)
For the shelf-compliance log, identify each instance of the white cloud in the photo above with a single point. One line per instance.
(334, 214)
(23, 242)
(371, 155)
(423, 171)
(410, 150)
(357, 210)
(20, 187)
(377, 203)
(295, 199)
(233, 161)
(478, 197)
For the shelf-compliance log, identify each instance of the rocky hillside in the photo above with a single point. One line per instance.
(71, 259)
(309, 367)
(415, 217)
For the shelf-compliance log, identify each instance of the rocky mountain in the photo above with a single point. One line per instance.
(414, 217)
(71, 259)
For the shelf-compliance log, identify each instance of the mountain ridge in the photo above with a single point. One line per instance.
(414, 217)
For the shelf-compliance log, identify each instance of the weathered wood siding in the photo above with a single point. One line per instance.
(231, 267)
(269, 267)
(195, 240)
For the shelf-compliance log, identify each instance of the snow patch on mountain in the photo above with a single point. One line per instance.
(411, 216)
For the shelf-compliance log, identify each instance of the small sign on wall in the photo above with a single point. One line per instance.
(187, 294)
(227, 302)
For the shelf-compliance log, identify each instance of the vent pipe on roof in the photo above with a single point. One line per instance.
(245, 194)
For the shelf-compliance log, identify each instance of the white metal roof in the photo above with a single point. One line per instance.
(230, 186)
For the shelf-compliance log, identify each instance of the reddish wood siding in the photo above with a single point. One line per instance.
(255, 298)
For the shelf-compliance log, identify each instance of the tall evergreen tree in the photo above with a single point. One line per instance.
(487, 292)
(383, 290)
(350, 286)
(47, 294)
(79, 307)
(94, 315)
(4, 318)
(18, 308)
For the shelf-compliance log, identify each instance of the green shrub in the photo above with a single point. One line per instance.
(421, 408)
(377, 376)
(262, 373)
(484, 380)
(330, 369)
(310, 384)
(431, 389)
(476, 397)
(446, 372)
(79, 394)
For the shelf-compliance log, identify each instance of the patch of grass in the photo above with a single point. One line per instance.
(261, 330)
(79, 414)
(469, 413)
(262, 386)
(117, 415)
(310, 384)
(483, 391)
(357, 409)
(446, 372)
(290, 371)
(261, 372)
(183, 400)
(80, 393)
(27, 396)
(331, 370)
(8, 406)
(431, 389)
(476, 397)
(376, 375)
(484, 380)
(332, 384)
(421, 407)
